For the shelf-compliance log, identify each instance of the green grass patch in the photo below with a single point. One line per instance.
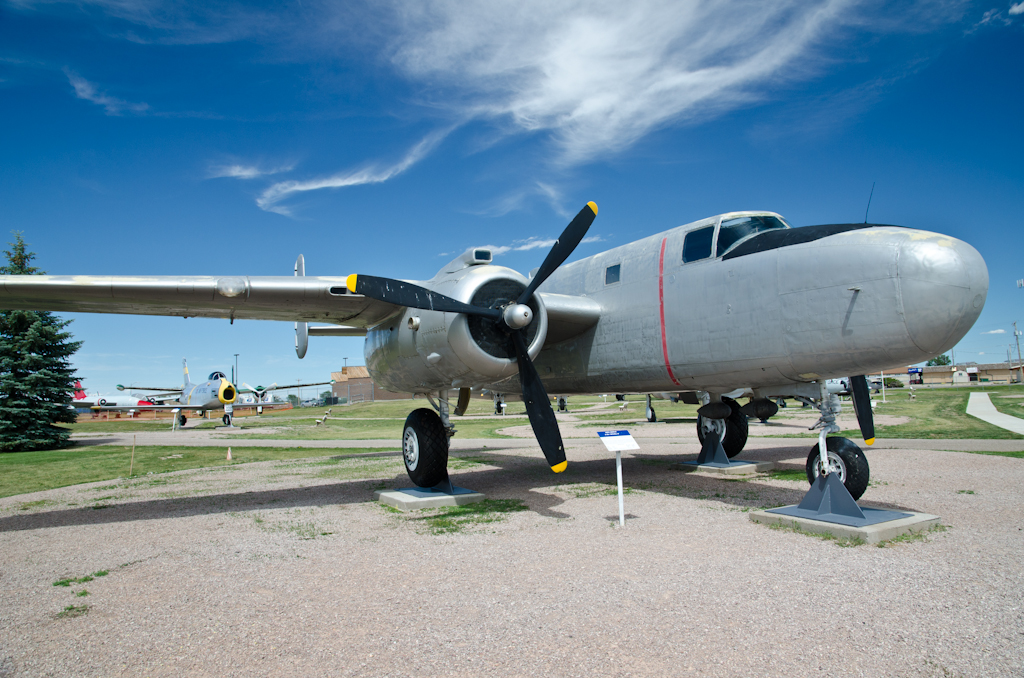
(843, 542)
(82, 594)
(942, 413)
(912, 536)
(81, 580)
(587, 490)
(788, 474)
(457, 518)
(24, 472)
(72, 611)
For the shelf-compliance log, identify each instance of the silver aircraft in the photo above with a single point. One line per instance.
(736, 301)
(216, 393)
(213, 394)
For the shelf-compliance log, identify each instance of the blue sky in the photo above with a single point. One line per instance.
(151, 137)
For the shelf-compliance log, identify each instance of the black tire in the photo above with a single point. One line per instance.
(182, 419)
(735, 438)
(652, 416)
(846, 458)
(226, 419)
(425, 448)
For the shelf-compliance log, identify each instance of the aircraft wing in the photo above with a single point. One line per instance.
(289, 298)
(275, 387)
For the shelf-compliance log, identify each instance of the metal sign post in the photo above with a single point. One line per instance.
(617, 441)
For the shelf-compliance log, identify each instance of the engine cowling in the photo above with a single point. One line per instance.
(418, 351)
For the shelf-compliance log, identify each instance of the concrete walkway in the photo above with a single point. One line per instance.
(979, 405)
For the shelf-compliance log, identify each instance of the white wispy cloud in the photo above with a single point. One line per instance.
(599, 75)
(533, 243)
(995, 332)
(1017, 9)
(245, 171)
(114, 106)
(273, 195)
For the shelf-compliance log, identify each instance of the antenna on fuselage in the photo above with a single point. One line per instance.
(869, 202)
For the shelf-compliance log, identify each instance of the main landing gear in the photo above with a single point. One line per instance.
(732, 430)
(652, 416)
(425, 444)
(182, 419)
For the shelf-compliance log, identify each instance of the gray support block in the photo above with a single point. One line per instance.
(871, 534)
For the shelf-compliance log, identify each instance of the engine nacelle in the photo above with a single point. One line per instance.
(420, 351)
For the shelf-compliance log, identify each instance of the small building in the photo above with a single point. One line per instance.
(354, 385)
(970, 373)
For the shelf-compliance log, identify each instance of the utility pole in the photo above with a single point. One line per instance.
(236, 369)
(1016, 335)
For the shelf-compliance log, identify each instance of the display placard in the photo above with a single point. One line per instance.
(618, 441)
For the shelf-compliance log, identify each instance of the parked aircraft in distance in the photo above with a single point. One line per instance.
(739, 300)
(216, 393)
(82, 400)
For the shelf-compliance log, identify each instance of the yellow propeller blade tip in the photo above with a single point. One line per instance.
(592, 205)
(350, 283)
(870, 441)
(558, 468)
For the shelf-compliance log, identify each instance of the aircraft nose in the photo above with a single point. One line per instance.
(943, 285)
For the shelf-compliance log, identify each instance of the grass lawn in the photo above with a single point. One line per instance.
(22, 472)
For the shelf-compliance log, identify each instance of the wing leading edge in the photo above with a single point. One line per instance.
(287, 298)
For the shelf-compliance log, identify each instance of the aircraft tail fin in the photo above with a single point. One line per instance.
(79, 391)
(184, 366)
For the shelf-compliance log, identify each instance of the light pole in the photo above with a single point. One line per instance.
(236, 369)
(1016, 336)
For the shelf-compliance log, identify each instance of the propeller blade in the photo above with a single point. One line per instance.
(862, 406)
(538, 408)
(563, 247)
(413, 296)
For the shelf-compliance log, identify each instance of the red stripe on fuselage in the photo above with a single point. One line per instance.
(661, 308)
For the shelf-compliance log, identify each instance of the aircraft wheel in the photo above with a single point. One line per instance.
(846, 459)
(425, 448)
(652, 416)
(734, 437)
(226, 419)
(182, 419)
(563, 404)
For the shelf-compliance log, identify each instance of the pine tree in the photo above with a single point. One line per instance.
(36, 377)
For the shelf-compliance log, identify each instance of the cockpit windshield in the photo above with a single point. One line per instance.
(734, 231)
(217, 375)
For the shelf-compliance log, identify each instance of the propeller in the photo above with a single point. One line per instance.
(862, 406)
(512, 319)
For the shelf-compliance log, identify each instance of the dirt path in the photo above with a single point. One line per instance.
(287, 569)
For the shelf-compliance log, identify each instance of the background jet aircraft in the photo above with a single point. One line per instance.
(739, 300)
(216, 393)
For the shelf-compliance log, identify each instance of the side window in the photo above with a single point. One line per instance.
(611, 274)
(697, 244)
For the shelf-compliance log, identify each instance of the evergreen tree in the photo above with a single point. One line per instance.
(36, 377)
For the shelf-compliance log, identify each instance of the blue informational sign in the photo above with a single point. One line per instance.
(617, 441)
(914, 370)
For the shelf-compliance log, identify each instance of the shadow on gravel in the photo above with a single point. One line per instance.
(511, 477)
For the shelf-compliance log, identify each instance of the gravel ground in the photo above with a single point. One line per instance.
(288, 569)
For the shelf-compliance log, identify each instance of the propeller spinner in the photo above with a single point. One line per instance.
(512, 319)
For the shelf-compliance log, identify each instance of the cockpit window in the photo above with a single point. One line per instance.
(214, 376)
(697, 244)
(736, 230)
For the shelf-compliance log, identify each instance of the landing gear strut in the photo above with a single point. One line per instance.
(563, 404)
(836, 455)
(651, 415)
